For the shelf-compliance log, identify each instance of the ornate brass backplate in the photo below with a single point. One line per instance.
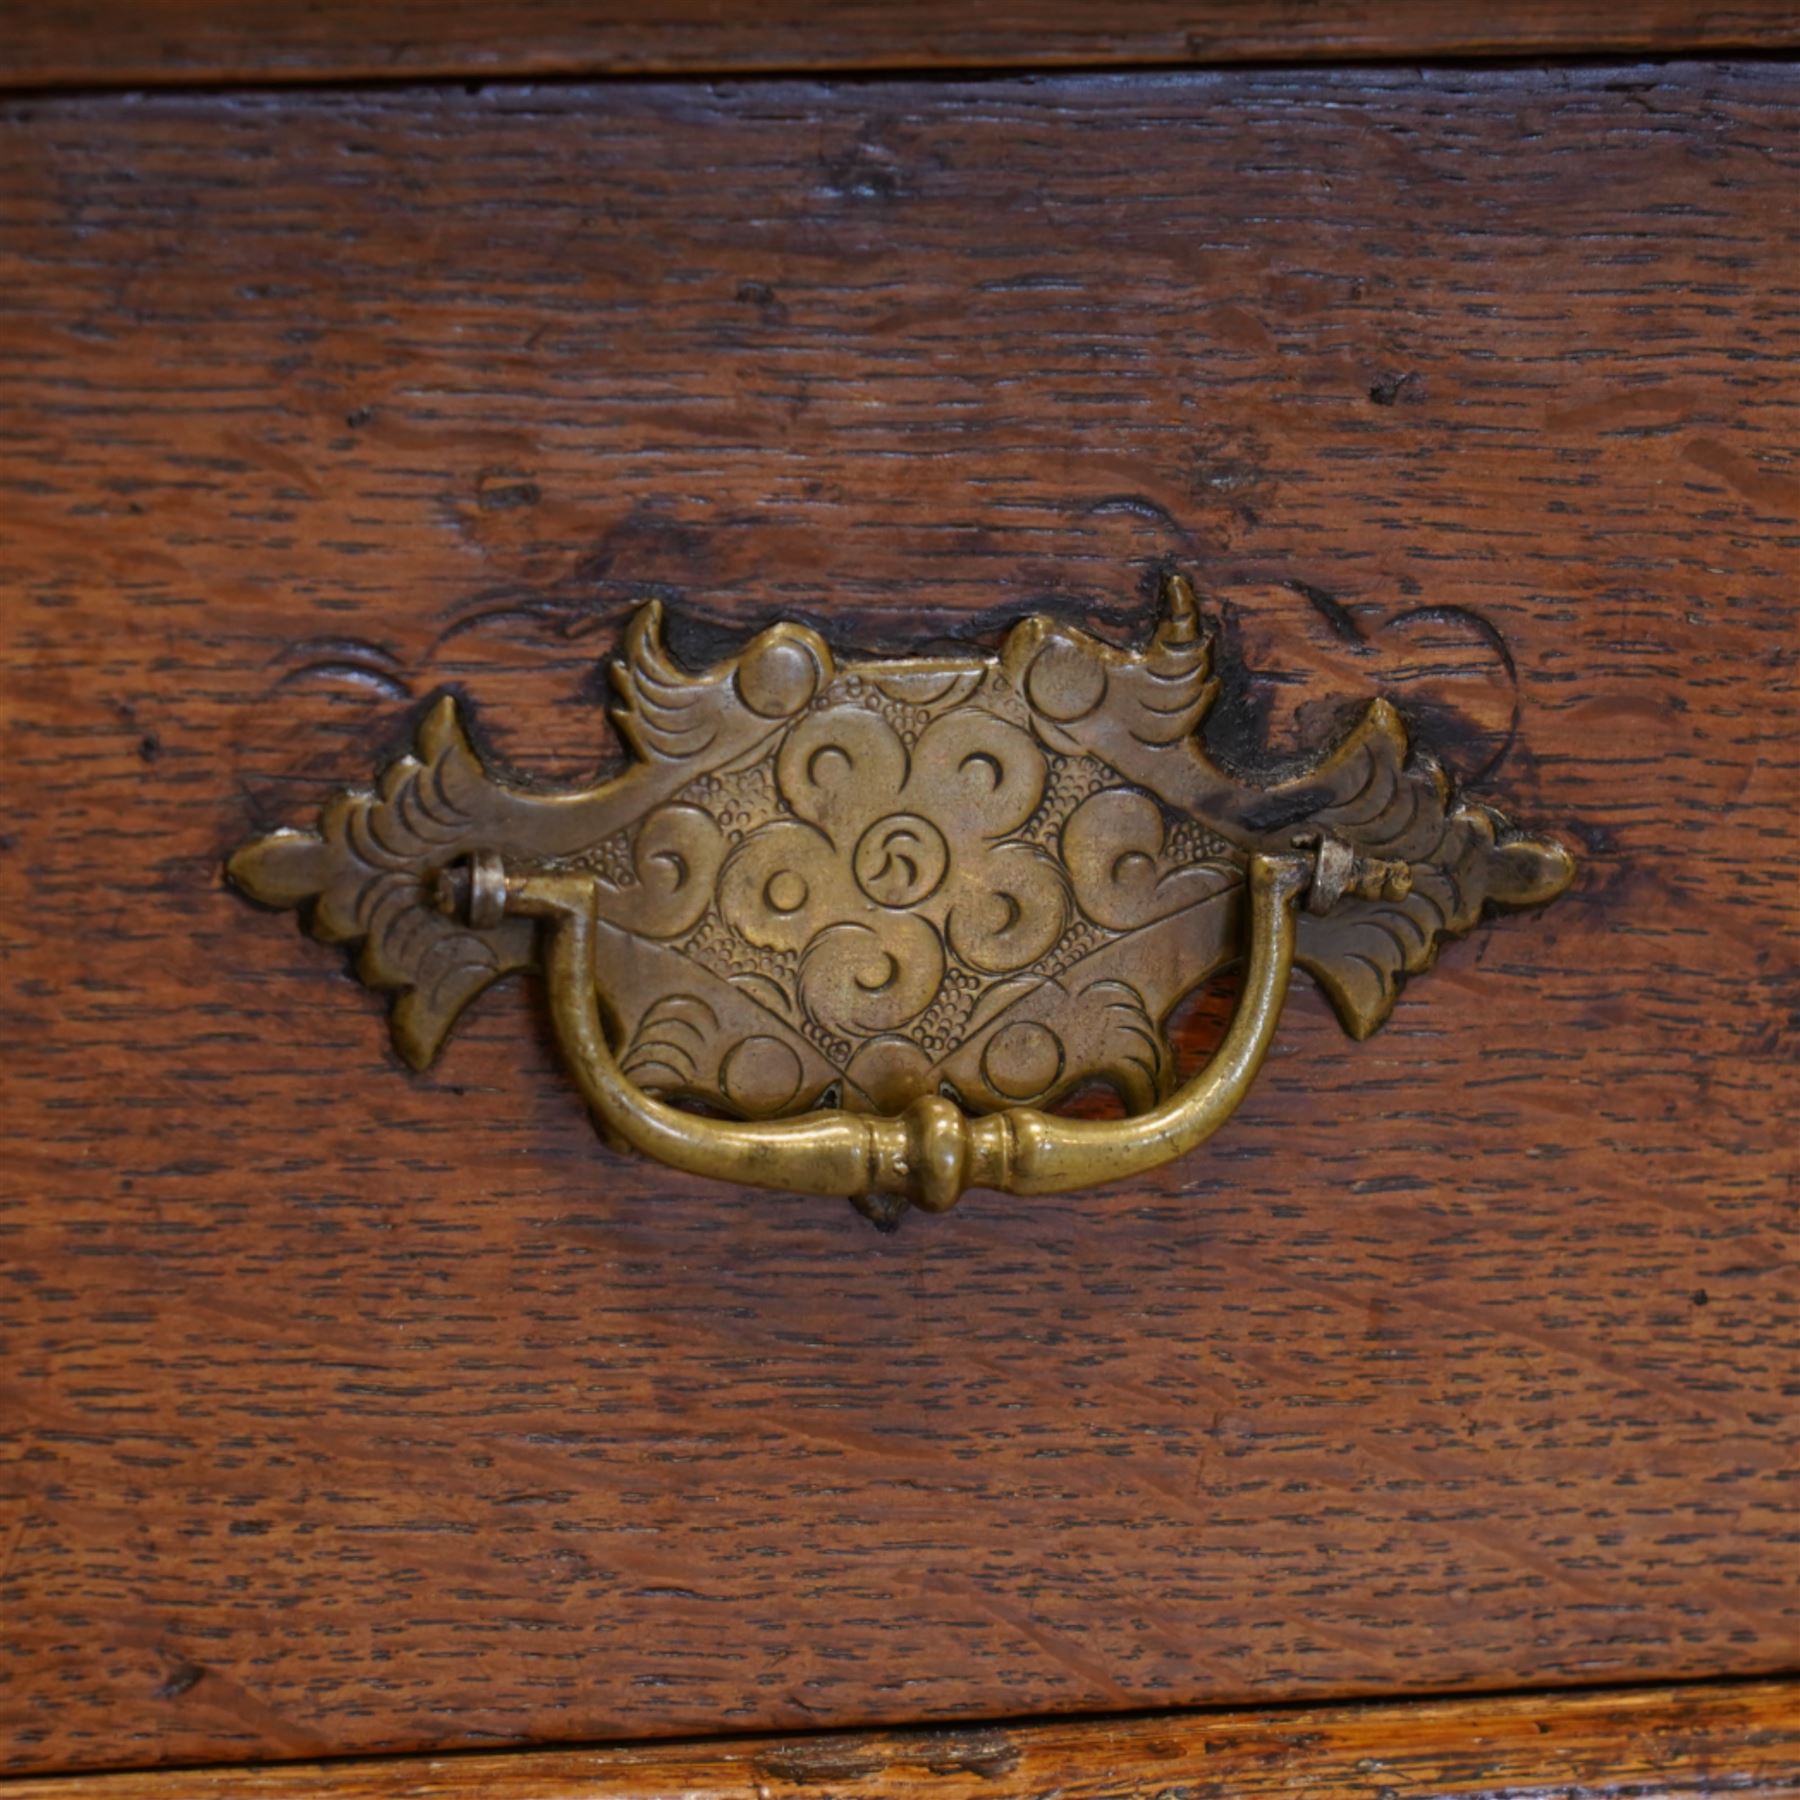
(874, 916)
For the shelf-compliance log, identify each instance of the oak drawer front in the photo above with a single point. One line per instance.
(350, 1409)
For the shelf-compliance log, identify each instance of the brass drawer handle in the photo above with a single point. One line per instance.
(885, 913)
(930, 1153)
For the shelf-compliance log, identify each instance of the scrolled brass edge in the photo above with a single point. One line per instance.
(886, 913)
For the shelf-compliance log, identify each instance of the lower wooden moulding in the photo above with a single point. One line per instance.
(1740, 1738)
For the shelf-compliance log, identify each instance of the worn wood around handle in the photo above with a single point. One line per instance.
(349, 1409)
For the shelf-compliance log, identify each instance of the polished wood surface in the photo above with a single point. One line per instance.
(90, 43)
(354, 1410)
(1652, 1744)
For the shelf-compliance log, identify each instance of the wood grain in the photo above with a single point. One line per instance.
(1654, 1744)
(349, 1410)
(99, 43)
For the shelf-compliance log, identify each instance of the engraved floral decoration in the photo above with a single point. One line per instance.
(891, 855)
(983, 876)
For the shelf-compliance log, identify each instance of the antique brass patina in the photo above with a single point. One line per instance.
(882, 913)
